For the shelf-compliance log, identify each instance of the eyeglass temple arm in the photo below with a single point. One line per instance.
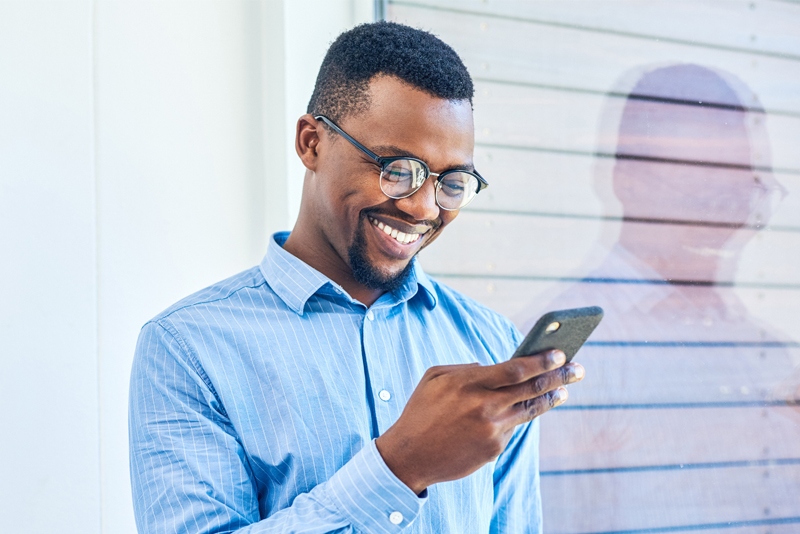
(482, 183)
(341, 132)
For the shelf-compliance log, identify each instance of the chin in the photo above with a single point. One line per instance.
(369, 273)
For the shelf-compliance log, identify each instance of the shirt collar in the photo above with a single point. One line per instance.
(421, 279)
(295, 282)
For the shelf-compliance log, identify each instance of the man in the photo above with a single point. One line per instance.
(336, 388)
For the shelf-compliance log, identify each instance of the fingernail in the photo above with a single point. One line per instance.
(577, 372)
(561, 396)
(557, 358)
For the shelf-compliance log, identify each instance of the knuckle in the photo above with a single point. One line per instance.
(538, 386)
(436, 370)
(535, 407)
(483, 414)
(514, 373)
(529, 407)
(565, 375)
(431, 372)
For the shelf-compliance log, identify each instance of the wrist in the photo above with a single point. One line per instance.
(398, 465)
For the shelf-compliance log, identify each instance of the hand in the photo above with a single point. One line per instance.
(462, 416)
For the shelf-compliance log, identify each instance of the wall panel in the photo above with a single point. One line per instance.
(593, 439)
(535, 110)
(544, 253)
(674, 500)
(575, 59)
(542, 173)
(763, 27)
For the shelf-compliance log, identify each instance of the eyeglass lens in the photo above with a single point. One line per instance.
(403, 177)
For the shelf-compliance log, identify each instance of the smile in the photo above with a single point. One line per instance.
(401, 237)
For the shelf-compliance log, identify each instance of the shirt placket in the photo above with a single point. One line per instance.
(382, 365)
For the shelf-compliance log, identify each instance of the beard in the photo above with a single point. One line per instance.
(367, 274)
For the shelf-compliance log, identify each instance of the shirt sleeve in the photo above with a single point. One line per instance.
(517, 497)
(190, 473)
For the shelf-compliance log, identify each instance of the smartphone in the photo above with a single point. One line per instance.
(565, 330)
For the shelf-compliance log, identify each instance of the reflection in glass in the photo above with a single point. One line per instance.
(688, 416)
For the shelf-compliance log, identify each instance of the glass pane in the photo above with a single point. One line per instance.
(643, 158)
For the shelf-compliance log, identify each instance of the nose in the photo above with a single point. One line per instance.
(421, 206)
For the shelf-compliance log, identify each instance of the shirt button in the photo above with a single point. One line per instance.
(370, 315)
(396, 518)
(384, 395)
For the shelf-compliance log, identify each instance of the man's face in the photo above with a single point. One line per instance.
(351, 211)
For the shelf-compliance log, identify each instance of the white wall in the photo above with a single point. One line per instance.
(49, 447)
(146, 150)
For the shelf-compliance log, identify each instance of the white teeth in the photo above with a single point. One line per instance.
(401, 237)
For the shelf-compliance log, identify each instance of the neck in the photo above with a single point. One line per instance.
(303, 245)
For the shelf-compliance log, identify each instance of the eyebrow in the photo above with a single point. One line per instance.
(388, 151)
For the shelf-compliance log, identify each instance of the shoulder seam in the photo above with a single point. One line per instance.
(198, 368)
(229, 295)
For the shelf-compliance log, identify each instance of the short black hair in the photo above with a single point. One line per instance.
(415, 56)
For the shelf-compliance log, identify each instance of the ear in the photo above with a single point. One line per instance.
(307, 140)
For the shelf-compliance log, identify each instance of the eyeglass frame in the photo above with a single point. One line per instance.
(385, 161)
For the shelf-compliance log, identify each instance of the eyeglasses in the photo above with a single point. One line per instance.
(401, 176)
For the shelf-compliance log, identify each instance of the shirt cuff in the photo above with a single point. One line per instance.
(367, 492)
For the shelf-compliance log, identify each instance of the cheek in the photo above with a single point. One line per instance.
(341, 215)
(336, 190)
(446, 217)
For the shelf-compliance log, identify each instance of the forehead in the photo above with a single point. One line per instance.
(437, 130)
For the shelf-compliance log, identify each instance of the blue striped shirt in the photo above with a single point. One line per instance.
(255, 403)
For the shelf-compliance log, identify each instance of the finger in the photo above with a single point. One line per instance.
(544, 383)
(529, 410)
(519, 370)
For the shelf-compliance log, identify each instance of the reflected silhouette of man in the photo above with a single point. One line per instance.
(682, 374)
